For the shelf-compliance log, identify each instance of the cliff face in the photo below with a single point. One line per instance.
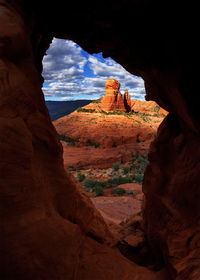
(49, 229)
(40, 204)
(171, 201)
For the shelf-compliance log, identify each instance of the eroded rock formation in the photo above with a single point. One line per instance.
(113, 100)
(48, 228)
(127, 101)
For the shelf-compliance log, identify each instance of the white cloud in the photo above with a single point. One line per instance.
(65, 77)
(64, 61)
(111, 69)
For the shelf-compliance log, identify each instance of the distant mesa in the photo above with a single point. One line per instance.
(113, 99)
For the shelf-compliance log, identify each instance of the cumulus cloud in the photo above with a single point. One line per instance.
(63, 61)
(111, 69)
(67, 76)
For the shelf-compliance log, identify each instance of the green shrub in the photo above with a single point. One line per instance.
(131, 192)
(97, 101)
(72, 168)
(138, 140)
(156, 108)
(112, 112)
(118, 192)
(103, 184)
(67, 139)
(116, 166)
(133, 166)
(94, 144)
(99, 190)
(89, 184)
(84, 110)
(138, 178)
(126, 169)
(139, 163)
(81, 177)
(116, 181)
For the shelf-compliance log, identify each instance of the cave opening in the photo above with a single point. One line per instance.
(105, 147)
(75, 81)
(50, 229)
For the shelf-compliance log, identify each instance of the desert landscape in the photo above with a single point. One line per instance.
(105, 148)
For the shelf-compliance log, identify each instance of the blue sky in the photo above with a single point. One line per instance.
(71, 73)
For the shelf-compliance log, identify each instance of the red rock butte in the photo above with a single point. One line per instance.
(113, 99)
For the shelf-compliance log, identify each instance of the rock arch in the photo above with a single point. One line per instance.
(43, 236)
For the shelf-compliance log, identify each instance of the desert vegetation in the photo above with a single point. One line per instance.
(144, 116)
(118, 174)
(69, 140)
(75, 142)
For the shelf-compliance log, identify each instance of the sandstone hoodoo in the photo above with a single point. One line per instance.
(113, 99)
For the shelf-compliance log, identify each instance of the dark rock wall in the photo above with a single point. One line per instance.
(45, 220)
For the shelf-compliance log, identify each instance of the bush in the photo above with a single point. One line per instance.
(131, 192)
(138, 178)
(99, 191)
(81, 177)
(67, 139)
(89, 184)
(116, 166)
(94, 144)
(116, 181)
(72, 168)
(97, 101)
(139, 163)
(126, 169)
(118, 192)
(138, 140)
(84, 110)
(156, 108)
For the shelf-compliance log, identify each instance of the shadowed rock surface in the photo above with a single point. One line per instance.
(49, 230)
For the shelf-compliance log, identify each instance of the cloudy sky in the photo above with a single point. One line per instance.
(71, 73)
